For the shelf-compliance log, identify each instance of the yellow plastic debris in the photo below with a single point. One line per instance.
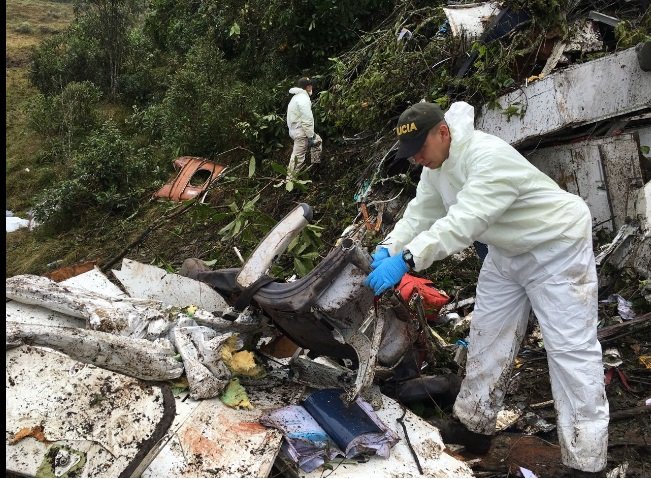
(235, 396)
(533, 78)
(240, 363)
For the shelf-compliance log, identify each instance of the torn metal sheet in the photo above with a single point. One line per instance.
(134, 357)
(132, 317)
(110, 419)
(605, 172)
(200, 349)
(603, 18)
(470, 20)
(28, 313)
(218, 441)
(622, 241)
(95, 281)
(425, 440)
(150, 282)
(191, 169)
(604, 88)
(124, 316)
(329, 311)
(92, 280)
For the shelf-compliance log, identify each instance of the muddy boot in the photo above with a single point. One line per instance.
(453, 432)
(191, 267)
(579, 473)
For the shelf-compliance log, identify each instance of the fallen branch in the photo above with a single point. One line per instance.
(604, 333)
(632, 412)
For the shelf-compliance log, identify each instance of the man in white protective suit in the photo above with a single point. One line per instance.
(300, 122)
(476, 187)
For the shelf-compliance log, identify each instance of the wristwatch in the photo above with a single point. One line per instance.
(409, 258)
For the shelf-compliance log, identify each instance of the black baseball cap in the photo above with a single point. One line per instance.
(303, 82)
(413, 125)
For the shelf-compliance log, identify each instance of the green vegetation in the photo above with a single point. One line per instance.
(103, 96)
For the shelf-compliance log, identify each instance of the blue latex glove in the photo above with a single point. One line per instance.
(379, 256)
(388, 273)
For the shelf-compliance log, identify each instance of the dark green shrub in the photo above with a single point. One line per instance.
(69, 114)
(107, 175)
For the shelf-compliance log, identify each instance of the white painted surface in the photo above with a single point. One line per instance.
(103, 414)
(14, 223)
(471, 19)
(600, 89)
(31, 314)
(95, 281)
(604, 172)
(218, 441)
(146, 281)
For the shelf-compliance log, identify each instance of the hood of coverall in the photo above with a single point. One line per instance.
(460, 118)
(296, 90)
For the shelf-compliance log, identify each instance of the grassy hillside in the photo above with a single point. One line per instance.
(100, 237)
(28, 22)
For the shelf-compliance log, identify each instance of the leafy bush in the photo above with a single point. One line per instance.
(382, 74)
(94, 48)
(64, 119)
(64, 58)
(71, 113)
(208, 109)
(107, 175)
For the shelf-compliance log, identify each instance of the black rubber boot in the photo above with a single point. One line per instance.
(453, 432)
(442, 389)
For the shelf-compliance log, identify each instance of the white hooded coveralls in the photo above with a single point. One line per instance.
(300, 122)
(540, 255)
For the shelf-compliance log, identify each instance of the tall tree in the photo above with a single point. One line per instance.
(109, 21)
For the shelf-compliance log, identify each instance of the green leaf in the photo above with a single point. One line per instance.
(251, 166)
(235, 29)
(300, 267)
(238, 226)
(279, 168)
(301, 247)
(293, 243)
(226, 228)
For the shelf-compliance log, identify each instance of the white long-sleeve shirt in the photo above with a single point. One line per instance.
(484, 191)
(300, 120)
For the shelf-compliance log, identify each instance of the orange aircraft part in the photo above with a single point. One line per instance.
(180, 188)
